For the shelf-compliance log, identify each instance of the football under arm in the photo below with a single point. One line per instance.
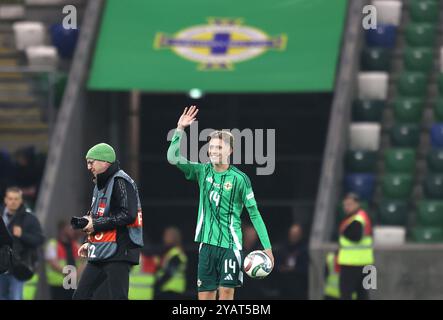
(259, 226)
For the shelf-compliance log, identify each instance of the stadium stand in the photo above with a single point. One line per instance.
(405, 166)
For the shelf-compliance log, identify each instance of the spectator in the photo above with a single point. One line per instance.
(27, 237)
(293, 267)
(59, 253)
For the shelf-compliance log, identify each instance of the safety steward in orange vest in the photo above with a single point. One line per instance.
(59, 253)
(356, 250)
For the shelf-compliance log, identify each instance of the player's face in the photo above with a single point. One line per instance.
(219, 151)
(13, 201)
(96, 167)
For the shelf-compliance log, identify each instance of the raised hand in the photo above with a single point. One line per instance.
(187, 117)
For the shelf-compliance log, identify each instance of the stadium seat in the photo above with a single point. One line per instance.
(427, 234)
(367, 110)
(424, 11)
(365, 136)
(388, 11)
(433, 186)
(373, 85)
(412, 84)
(438, 110)
(405, 135)
(430, 213)
(360, 161)
(12, 11)
(383, 36)
(28, 34)
(418, 59)
(437, 135)
(420, 35)
(362, 184)
(375, 59)
(397, 186)
(435, 161)
(408, 110)
(64, 40)
(393, 212)
(42, 56)
(389, 235)
(400, 160)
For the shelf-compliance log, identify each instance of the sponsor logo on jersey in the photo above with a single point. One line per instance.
(250, 196)
(199, 283)
(210, 180)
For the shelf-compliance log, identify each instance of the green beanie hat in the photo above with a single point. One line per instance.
(101, 152)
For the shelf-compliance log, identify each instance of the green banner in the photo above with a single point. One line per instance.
(218, 45)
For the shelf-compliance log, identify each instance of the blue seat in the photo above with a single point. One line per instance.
(437, 135)
(362, 184)
(383, 36)
(64, 40)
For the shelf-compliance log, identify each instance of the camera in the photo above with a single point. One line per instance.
(79, 222)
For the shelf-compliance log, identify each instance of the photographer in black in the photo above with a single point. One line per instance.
(114, 228)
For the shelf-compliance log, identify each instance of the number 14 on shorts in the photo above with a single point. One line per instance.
(230, 264)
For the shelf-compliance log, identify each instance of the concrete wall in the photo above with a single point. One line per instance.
(407, 272)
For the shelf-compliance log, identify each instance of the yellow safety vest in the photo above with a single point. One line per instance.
(30, 288)
(55, 278)
(141, 285)
(359, 253)
(332, 286)
(177, 283)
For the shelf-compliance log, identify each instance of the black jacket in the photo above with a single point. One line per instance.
(354, 231)
(123, 211)
(32, 235)
(5, 236)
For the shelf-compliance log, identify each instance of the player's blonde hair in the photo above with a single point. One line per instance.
(226, 136)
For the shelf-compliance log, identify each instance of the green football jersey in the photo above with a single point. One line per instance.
(223, 195)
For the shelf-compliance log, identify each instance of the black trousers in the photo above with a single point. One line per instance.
(168, 295)
(110, 278)
(60, 293)
(351, 280)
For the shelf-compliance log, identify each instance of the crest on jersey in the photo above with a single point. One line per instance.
(220, 43)
(227, 186)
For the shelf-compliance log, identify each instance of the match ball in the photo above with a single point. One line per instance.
(257, 265)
